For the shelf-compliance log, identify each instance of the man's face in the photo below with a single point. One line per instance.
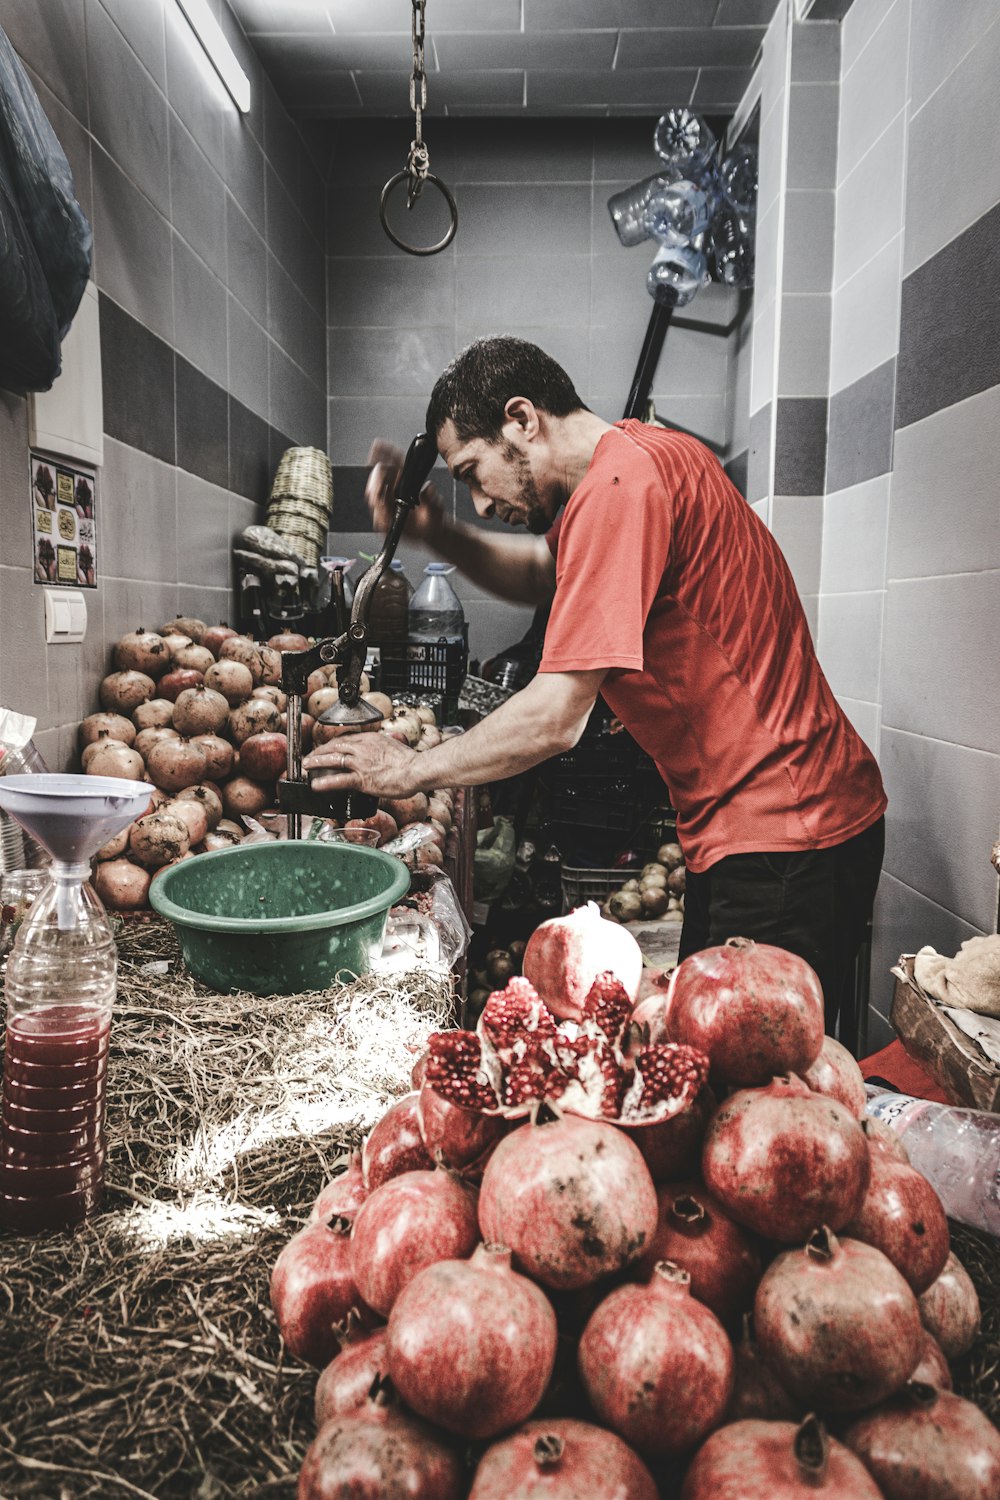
(499, 477)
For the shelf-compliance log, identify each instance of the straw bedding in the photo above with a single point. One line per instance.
(139, 1355)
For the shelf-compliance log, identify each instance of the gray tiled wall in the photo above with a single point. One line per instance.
(536, 255)
(873, 440)
(208, 229)
(911, 546)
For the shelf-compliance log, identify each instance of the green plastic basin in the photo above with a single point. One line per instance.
(282, 917)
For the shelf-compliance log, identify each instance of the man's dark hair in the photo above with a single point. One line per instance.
(474, 389)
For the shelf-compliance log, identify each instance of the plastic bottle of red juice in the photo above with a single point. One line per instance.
(60, 990)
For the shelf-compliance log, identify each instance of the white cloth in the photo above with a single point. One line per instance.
(969, 981)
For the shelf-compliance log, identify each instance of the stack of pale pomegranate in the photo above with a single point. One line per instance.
(606, 1253)
(198, 711)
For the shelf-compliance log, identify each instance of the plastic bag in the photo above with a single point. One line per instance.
(43, 186)
(493, 861)
(434, 938)
(29, 334)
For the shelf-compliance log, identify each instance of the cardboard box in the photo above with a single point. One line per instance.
(932, 1039)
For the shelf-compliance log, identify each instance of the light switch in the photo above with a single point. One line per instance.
(65, 617)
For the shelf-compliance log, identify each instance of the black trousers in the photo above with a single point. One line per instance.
(814, 902)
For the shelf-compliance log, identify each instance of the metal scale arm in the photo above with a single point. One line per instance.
(348, 650)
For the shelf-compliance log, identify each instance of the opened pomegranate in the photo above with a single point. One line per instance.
(757, 1391)
(671, 1148)
(836, 1073)
(779, 1461)
(406, 1224)
(722, 1259)
(657, 1364)
(927, 1444)
(312, 1289)
(949, 1309)
(902, 1216)
(572, 1198)
(395, 1145)
(650, 1015)
(838, 1323)
(783, 1160)
(472, 1344)
(756, 1010)
(343, 1194)
(345, 1383)
(932, 1367)
(456, 1137)
(560, 1459)
(564, 956)
(380, 1452)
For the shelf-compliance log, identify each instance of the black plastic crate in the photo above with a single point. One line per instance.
(435, 666)
(614, 800)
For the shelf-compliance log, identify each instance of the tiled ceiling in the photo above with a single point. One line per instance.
(337, 58)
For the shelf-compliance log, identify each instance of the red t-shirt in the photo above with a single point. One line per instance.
(666, 576)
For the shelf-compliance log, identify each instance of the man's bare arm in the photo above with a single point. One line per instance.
(545, 718)
(520, 569)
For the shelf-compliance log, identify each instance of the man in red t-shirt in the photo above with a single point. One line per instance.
(671, 599)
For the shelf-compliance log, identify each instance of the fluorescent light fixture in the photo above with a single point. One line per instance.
(209, 33)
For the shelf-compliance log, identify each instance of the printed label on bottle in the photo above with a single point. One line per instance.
(897, 1110)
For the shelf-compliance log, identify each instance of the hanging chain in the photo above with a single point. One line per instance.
(417, 172)
(418, 164)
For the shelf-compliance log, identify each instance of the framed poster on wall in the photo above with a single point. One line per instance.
(63, 522)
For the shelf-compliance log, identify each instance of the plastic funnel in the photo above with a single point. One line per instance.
(73, 816)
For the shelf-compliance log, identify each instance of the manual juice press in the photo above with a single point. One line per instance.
(348, 650)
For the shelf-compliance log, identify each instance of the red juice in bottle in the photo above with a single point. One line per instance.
(60, 987)
(56, 1054)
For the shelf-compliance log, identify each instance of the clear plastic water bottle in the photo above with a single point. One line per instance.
(628, 208)
(677, 273)
(738, 178)
(60, 991)
(678, 214)
(435, 610)
(683, 141)
(729, 248)
(957, 1150)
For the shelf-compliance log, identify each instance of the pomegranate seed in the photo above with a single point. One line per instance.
(455, 1070)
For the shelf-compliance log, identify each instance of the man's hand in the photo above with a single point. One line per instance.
(380, 492)
(374, 763)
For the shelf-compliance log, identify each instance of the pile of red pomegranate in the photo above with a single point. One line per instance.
(610, 1254)
(199, 712)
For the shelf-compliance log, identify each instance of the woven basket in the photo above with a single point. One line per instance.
(304, 474)
(301, 501)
